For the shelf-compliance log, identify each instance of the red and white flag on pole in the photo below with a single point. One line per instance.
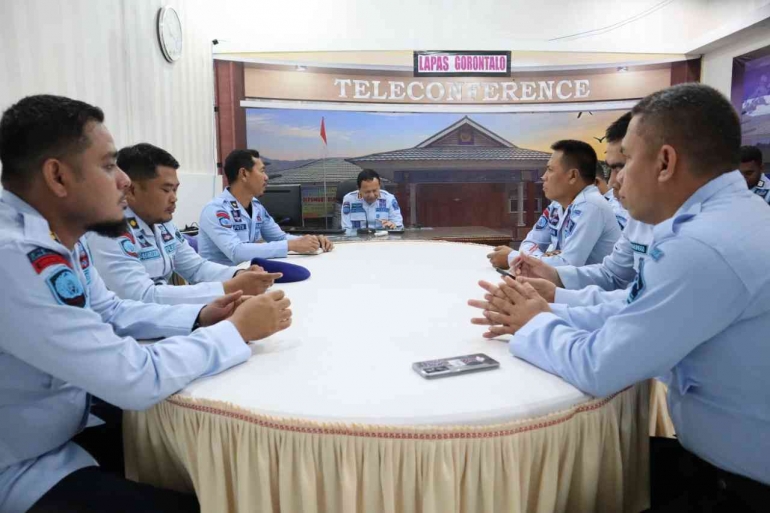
(323, 131)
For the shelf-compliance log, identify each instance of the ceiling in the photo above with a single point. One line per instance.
(674, 27)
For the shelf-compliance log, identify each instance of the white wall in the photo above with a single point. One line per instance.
(106, 52)
(717, 65)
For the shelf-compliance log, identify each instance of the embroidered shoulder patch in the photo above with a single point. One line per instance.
(224, 219)
(128, 245)
(394, 204)
(66, 288)
(42, 258)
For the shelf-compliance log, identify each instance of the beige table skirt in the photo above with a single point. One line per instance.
(592, 457)
(660, 420)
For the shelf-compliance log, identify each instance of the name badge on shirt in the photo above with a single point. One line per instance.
(149, 254)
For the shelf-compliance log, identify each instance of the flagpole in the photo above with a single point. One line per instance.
(323, 167)
(326, 209)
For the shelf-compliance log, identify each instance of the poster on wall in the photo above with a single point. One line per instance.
(755, 99)
(290, 138)
(431, 149)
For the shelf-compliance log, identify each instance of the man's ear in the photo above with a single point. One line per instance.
(666, 163)
(57, 177)
(130, 191)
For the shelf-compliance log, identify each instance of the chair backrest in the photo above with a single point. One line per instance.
(192, 240)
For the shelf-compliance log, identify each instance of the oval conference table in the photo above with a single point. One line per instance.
(328, 416)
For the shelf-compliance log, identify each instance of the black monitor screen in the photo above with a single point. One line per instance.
(284, 204)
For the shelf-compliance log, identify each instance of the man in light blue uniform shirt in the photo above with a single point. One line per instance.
(579, 226)
(370, 206)
(751, 169)
(698, 311)
(139, 264)
(609, 194)
(607, 281)
(235, 227)
(65, 336)
(620, 213)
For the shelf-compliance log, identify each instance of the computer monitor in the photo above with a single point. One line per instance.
(284, 204)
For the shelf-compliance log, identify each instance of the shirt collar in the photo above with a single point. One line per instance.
(141, 225)
(36, 227)
(727, 182)
(230, 198)
(581, 197)
(362, 200)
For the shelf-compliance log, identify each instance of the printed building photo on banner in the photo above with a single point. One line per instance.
(751, 95)
(445, 169)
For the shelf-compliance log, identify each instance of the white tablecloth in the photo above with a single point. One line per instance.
(343, 371)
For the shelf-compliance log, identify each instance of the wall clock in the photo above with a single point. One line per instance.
(170, 34)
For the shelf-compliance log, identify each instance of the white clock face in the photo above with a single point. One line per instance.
(170, 34)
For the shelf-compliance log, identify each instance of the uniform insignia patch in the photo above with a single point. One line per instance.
(164, 234)
(66, 288)
(224, 219)
(132, 222)
(542, 222)
(346, 207)
(141, 239)
(569, 228)
(394, 204)
(42, 258)
(128, 245)
(85, 262)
